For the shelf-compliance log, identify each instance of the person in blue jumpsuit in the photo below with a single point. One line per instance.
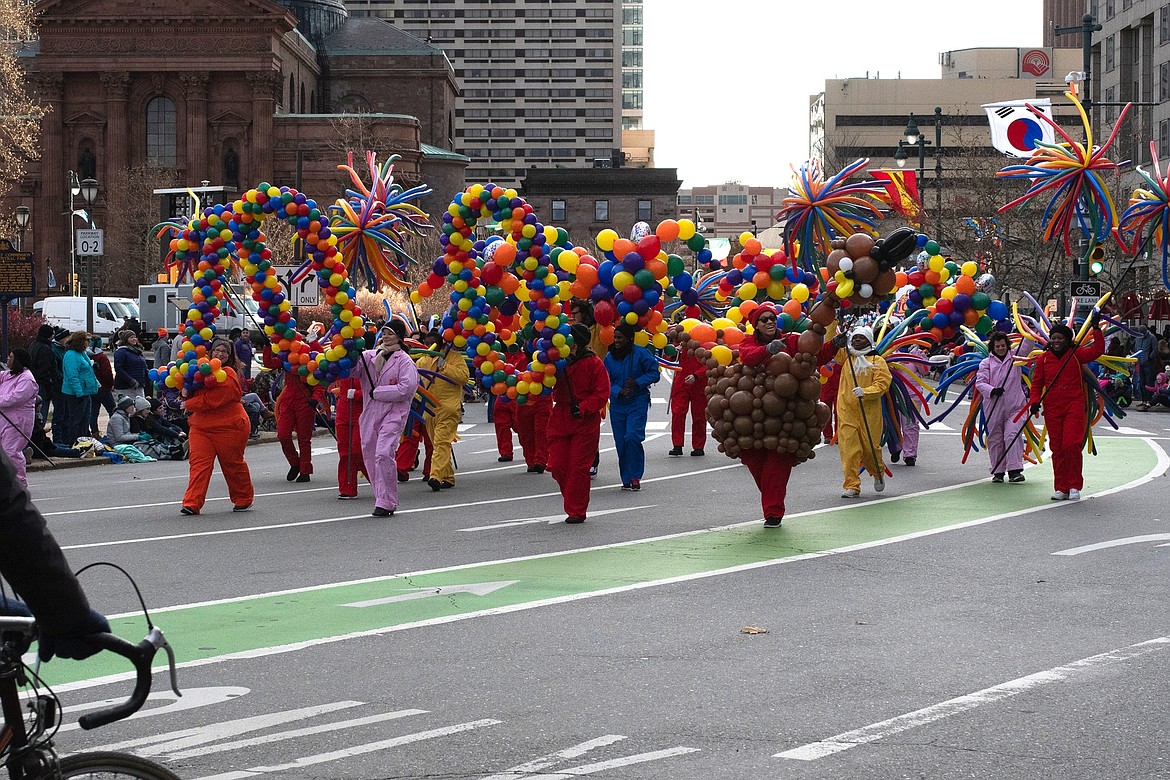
(632, 369)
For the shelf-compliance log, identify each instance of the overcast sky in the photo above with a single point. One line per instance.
(727, 82)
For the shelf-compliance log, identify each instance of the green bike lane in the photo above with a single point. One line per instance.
(286, 621)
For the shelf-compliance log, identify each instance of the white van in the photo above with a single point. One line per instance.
(68, 311)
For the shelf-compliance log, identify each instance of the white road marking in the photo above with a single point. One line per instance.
(520, 771)
(657, 426)
(1127, 431)
(464, 427)
(475, 588)
(356, 750)
(324, 450)
(188, 738)
(1163, 463)
(192, 698)
(616, 763)
(551, 519)
(936, 712)
(1114, 543)
(286, 735)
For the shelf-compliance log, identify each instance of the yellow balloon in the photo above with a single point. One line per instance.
(659, 340)
(722, 354)
(948, 293)
(800, 293)
(688, 323)
(970, 268)
(944, 274)
(937, 263)
(568, 261)
(641, 338)
(776, 291)
(745, 236)
(605, 239)
(747, 291)
(622, 280)
(845, 289)
(719, 323)
(735, 315)
(686, 229)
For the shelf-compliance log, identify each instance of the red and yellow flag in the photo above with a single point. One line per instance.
(902, 189)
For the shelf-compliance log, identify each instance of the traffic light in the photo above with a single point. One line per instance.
(1097, 260)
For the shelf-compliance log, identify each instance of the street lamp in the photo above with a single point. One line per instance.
(89, 193)
(74, 190)
(914, 137)
(23, 215)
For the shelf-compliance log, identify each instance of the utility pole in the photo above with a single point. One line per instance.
(1087, 27)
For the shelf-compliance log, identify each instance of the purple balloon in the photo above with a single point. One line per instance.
(962, 302)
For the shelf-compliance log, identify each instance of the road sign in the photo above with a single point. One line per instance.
(91, 242)
(304, 293)
(1086, 288)
(17, 278)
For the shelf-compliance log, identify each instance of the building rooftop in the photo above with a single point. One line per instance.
(368, 35)
(435, 153)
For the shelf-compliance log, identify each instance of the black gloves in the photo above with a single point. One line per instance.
(775, 347)
(575, 410)
(840, 340)
(74, 646)
(997, 392)
(1036, 409)
(1095, 320)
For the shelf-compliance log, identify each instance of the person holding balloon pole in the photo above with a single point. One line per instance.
(688, 392)
(389, 380)
(574, 430)
(451, 373)
(1058, 385)
(296, 412)
(218, 428)
(632, 369)
(865, 378)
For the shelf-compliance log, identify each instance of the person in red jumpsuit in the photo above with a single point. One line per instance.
(688, 391)
(504, 413)
(219, 428)
(574, 428)
(349, 440)
(1058, 384)
(296, 412)
(770, 468)
(532, 426)
(829, 398)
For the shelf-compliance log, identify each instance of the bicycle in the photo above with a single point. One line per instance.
(27, 747)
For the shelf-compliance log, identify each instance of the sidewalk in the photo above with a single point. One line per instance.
(266, 437)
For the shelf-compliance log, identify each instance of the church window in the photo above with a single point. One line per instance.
(161, 137)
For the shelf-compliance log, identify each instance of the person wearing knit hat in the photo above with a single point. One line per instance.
(632, 369)
(46, 369)
(574, 429)
(688, 392)
(296, 414)
(443, 425)
(865, 378)
(1058, 386)
(771, 469)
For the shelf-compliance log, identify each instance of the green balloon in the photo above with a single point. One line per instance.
(674, 266)
(926, 290)
(984, 325)
(776, 272)
(980, 301)
(644, 279)
(696, 242)
(931, 247)
(562, 236)
(498, 376)
(786, 321)
(495, 296)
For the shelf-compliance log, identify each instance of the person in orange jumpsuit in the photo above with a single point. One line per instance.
(574, 429)
(770, 469)
(688, 391)
(505, 413)
(218, 429)
(1058, 384)
(296, 412)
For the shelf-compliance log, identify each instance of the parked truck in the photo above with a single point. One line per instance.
(166, 305)
(110, 315)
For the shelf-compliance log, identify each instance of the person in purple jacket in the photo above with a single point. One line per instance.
(1001, 384)
(389, 381)
(18, 401)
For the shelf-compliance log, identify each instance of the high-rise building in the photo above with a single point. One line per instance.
(631, 64)
(540, 82)
(726, 210)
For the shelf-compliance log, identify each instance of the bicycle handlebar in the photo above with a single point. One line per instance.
(141, 655)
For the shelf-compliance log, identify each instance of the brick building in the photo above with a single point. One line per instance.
(229, 93)
(585, 201)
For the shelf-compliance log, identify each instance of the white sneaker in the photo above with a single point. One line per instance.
(1074, 495)
(879, 484)
(1058, 496)
(851, 494)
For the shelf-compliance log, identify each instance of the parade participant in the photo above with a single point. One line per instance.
(829, 399)
(1000, 381)
(688, 392)
(348, 392)
(504, 416)
(444, 423)
(632, 369)
(296, 412)
(18, 401)
(574, 429)
(218, 430)
(581, 310)
(532, 418)
(865, 378)
(908, 421)
(770, 469)
(389, 380)
(1058, 386)
(416, 431)
(78, 385)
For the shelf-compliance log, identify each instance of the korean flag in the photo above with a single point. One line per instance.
(1015, 130)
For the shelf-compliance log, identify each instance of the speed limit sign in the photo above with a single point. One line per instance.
(91, 243)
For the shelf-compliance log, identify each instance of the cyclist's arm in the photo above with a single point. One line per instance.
(32, 562)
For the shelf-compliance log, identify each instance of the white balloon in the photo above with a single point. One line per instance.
(846, 264)
(865, 291)
(639, 231)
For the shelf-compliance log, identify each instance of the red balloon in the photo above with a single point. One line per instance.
(632, 293)
(649, 247)
(944, 306)
(605, 313)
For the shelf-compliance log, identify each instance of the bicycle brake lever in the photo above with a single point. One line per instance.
(171, 662)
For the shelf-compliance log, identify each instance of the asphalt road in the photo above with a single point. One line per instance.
(951, 628)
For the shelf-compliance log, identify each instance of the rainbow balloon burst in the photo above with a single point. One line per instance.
(372, 224)
(1147, 218)
(819, 211)
(1071, 174)
(224, 231)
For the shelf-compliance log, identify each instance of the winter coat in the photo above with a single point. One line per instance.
(78, 378)
(118, 430)
(994, 373)
(129, 368)
(102, 370)
(640, 365)
(18, 399)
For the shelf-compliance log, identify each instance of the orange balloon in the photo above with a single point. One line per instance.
(703, 333)
(937, 333)
(971, 318)
(761, 280)
(622, 247)
(932, 277)
(667, 230)
(792, 309)
(587, 274)
(606, 335)
(733, 336)
(965, 285)
(753, 246)
(901, 280)
(505, 253)
(509, 284)
(746, 308)
(656, 267)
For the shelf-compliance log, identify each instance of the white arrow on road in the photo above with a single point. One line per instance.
(410, 594)
(1115, 543)
(551, 519)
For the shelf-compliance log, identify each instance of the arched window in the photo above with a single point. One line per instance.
(292, 93)
(160, 133)
(312, 101)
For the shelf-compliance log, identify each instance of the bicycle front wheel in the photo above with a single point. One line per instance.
(99, 765)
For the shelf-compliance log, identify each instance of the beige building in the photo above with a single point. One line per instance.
(726, 210)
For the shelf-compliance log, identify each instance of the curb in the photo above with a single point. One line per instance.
(266, 437)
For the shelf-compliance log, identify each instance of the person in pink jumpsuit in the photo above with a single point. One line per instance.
(389, 381)
(18, 401)
(1001, 384)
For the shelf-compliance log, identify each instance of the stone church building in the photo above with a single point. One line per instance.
(229, 94)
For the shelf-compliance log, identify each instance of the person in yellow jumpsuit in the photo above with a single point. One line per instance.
(865, 378)
(444, 423)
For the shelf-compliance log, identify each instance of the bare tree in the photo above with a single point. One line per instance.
(20, 113)
(358, 133)
(132, 252)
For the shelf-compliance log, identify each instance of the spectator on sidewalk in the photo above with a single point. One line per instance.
(78, 385)
(129, 366)
(104, 398)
